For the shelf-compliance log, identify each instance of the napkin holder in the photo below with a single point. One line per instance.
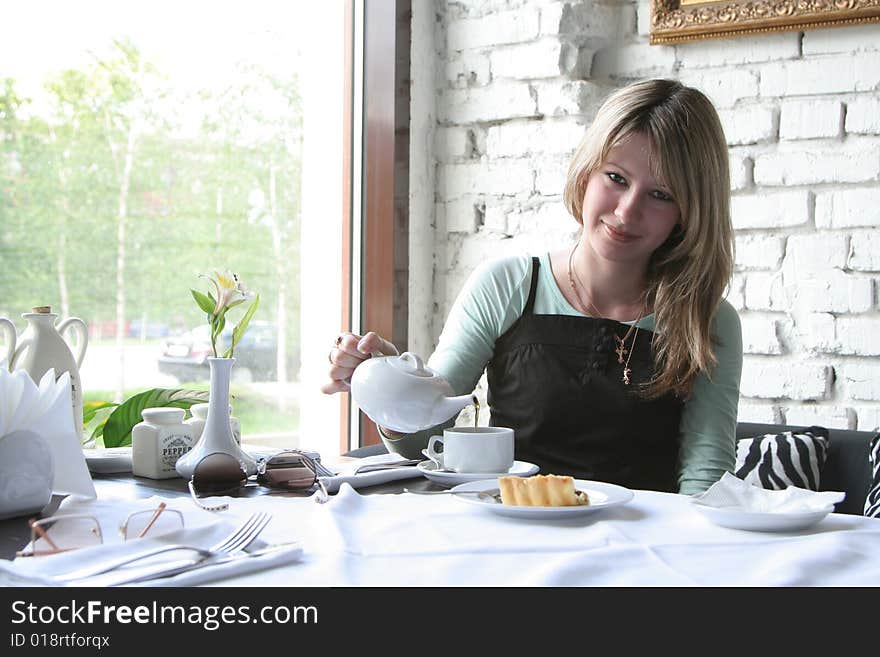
(40, 451)
(27, 473)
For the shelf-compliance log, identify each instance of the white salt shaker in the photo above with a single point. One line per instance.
(158, 441)
(200, 415)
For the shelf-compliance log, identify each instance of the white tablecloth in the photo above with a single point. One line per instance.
(657, 539)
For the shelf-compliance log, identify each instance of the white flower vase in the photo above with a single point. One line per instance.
(217, 434)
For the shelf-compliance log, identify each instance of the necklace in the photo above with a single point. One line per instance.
(621, 349)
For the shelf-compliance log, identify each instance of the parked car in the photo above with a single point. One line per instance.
(185, 357)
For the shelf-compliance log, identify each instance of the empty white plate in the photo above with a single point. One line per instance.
(735, 518)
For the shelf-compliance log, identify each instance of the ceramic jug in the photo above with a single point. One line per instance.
(8, 328)
(403, 394)
(42, 347)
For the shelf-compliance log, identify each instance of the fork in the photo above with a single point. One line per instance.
(237, 541)
(493, 495)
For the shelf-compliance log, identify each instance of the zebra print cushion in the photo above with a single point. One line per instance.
(777, 461)
(872, 502)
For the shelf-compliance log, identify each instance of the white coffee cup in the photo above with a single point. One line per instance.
(473, 449)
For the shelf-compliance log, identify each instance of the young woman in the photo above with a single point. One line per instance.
(616, 359)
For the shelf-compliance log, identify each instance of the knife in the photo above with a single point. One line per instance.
(171, 568)
(387, 466)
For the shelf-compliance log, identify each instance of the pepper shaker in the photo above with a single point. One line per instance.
(158, 441)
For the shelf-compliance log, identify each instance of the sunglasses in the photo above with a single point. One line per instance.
(220, 474)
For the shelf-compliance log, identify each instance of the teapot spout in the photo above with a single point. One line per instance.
(450, 406)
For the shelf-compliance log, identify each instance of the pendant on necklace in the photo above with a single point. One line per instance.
(626, 373)
(621, 350)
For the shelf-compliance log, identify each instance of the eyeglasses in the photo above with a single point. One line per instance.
(72, 532)
(220, 473)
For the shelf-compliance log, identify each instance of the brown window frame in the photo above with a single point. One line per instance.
(383, 168)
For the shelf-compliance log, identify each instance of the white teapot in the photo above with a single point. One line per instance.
(42, 347)
(402, 394)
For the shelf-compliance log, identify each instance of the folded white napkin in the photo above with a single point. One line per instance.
(44, 408)
(345, 472)
(42, 571)
(734, 493)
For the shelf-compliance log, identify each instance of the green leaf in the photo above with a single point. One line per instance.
(95, 414)
(90, 409)
(204, 301)
(117, 431)
(99, 430)
(239, 330)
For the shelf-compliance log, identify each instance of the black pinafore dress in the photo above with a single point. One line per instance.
(556, 380)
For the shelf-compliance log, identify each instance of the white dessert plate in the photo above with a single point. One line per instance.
(755, 521)
(107, 460)
(602, 496)
(429, 469)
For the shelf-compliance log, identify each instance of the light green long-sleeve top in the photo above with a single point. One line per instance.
(493, 299)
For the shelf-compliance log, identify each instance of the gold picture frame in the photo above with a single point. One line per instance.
(675, 21)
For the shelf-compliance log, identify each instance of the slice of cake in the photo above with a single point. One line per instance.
(541, 490)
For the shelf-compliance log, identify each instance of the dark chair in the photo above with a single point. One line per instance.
(846, 467)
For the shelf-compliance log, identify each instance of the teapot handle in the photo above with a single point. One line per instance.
(414, 359)
(79, 327)
(19, 350)
(11, 338)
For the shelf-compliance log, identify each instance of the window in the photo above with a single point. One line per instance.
(143, 144)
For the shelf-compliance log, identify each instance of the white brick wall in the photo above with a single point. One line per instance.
(864, 251)
(831, 291)
(759, 252)
(748, 125)
(724, 87)
(526, 61)
(862, 381)
(498, 101)
(810, 119)
(518, 81)
(495, 29)
(820, 75)
(519, 138)
(764, 378)
(832, 164)
(760, 335)
(867, 418)
(761, 413)
(863, 116)
(774, 210)
(821, 415)
(847, 208)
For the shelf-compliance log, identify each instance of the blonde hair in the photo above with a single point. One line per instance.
(688, 274)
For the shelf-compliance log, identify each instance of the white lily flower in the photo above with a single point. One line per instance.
(230, 290)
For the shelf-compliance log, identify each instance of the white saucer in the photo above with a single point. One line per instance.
(602, 496)
(429, 469)
(735, 518)
(107, 460)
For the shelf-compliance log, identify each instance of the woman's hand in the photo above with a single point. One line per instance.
(350, 351)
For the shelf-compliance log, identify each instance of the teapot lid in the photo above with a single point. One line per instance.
(410, 363)
(42, 310)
